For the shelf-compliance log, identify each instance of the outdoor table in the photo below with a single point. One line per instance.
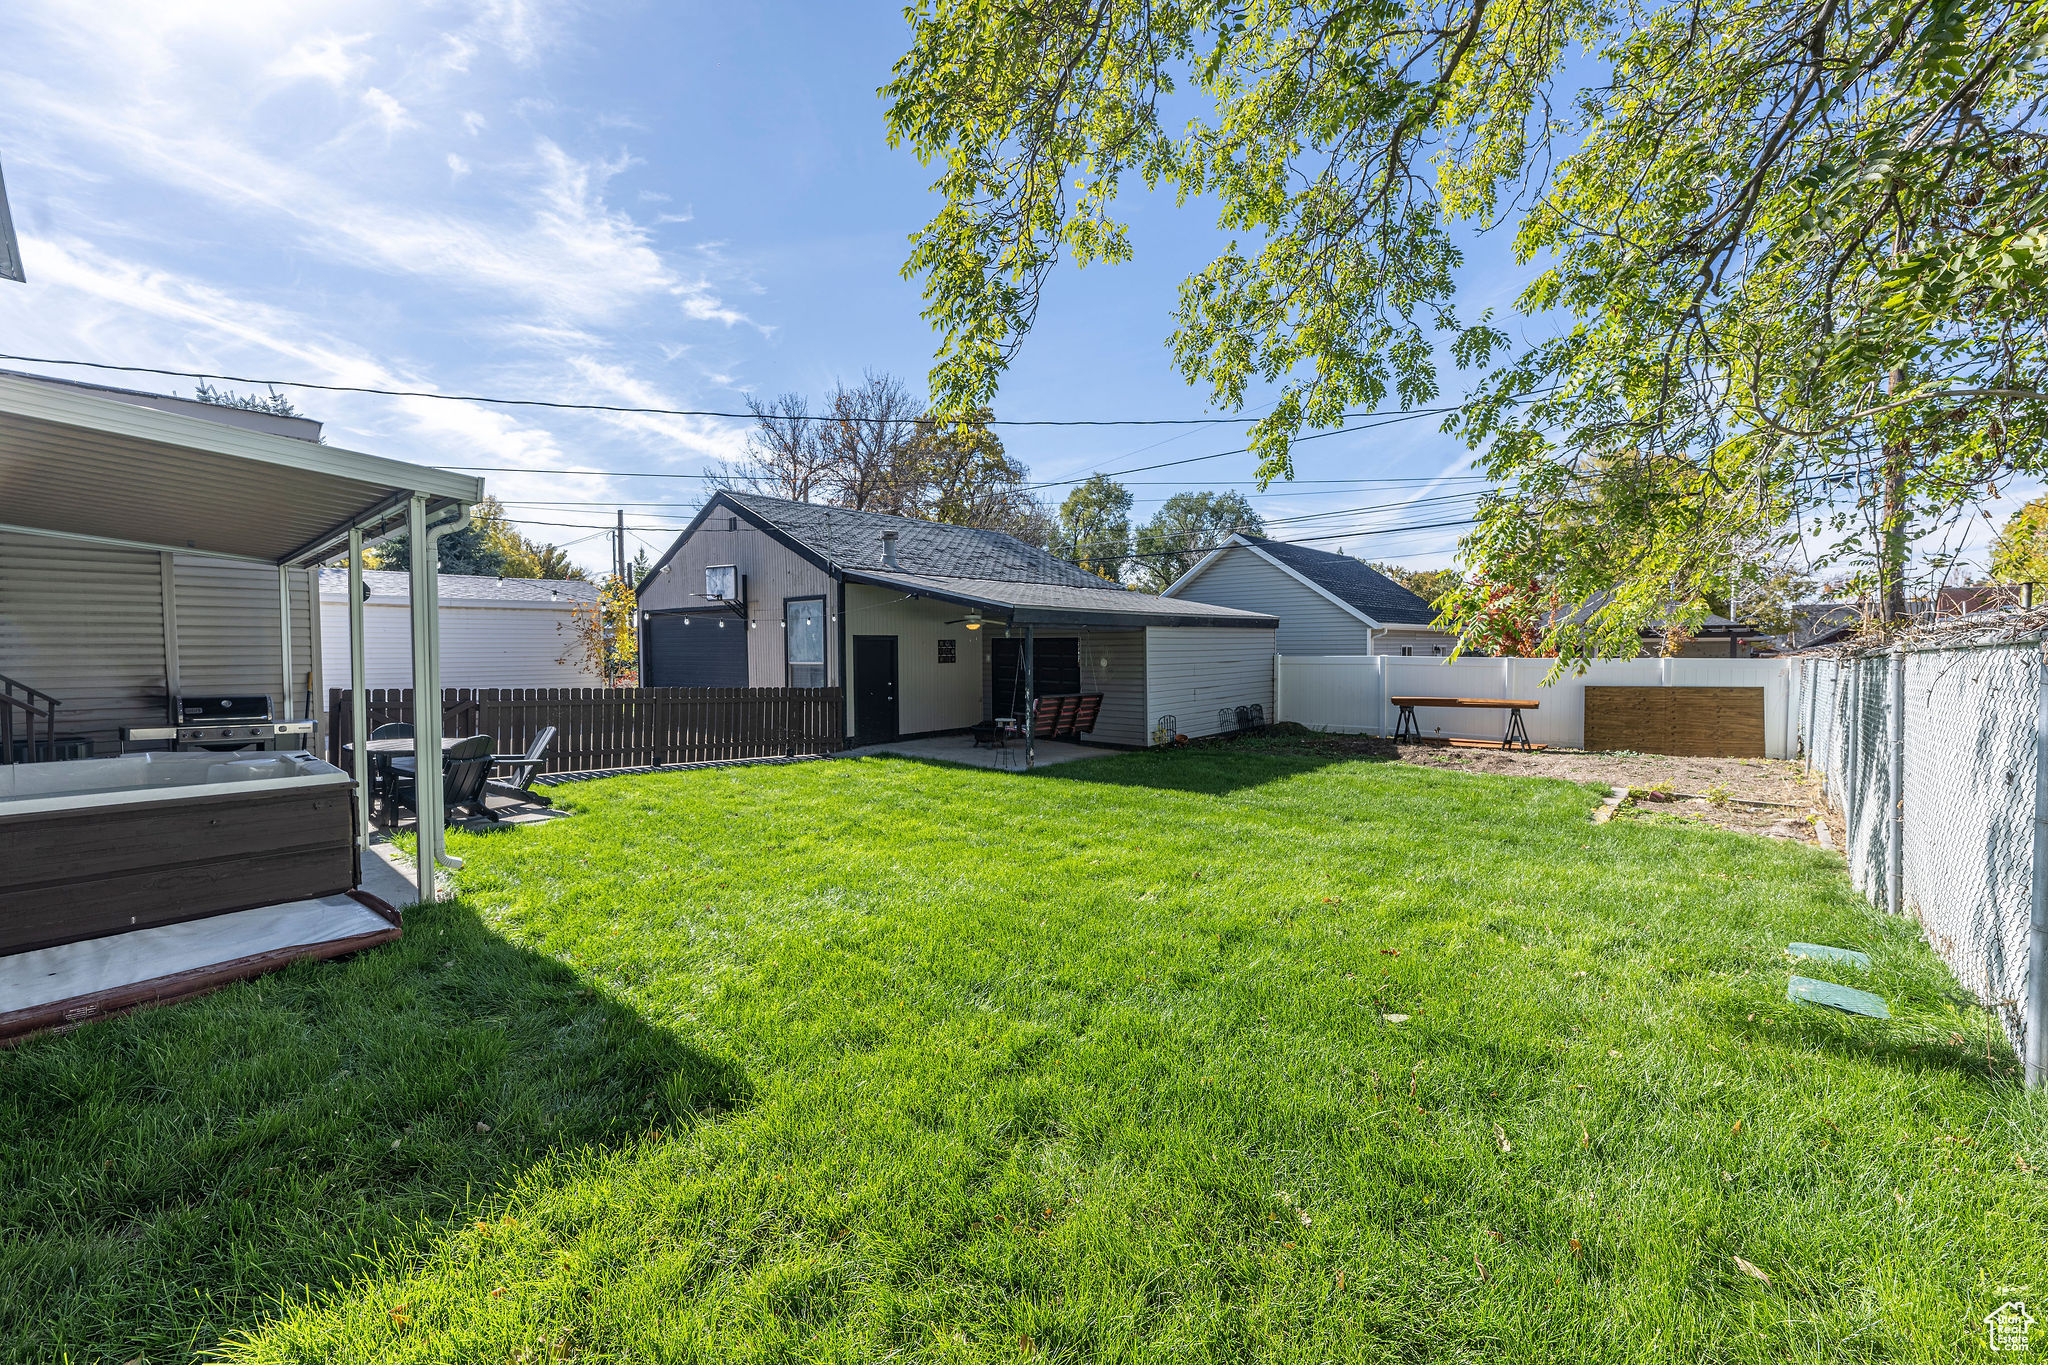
(1409, 729)
(382, 751)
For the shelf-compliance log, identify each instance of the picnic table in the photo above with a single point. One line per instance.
(1409, 728)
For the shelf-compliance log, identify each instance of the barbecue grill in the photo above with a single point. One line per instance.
(223, 724)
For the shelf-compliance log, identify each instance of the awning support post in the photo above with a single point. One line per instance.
(358, 696)
(284, 641)
(1030, 699)
(426, 698)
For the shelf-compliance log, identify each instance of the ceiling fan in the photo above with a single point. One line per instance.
(973, 620)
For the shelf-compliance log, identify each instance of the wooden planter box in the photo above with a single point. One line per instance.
(80, 865)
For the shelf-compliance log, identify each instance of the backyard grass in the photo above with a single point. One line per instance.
(1216, 1055)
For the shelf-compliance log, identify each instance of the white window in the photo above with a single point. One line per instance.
(803, 620)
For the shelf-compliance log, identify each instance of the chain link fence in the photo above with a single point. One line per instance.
(1931, 755)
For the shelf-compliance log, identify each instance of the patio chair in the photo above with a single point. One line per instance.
(465, 772)
(384, 776)
(519, 770)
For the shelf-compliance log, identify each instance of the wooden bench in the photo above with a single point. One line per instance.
(1067, 717)
(1517, 733)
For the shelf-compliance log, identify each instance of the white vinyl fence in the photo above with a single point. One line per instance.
(1348, 692)
(1935, 757)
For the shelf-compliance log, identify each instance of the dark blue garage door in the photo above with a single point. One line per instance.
(710, 651)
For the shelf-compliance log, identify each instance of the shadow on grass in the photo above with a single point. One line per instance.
(1219, 767)
(166, 1177)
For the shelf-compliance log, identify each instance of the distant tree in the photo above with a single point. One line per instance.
(962, 476)
(873, 447)
(1428, 584)
(1186, 527)
(869, 440)
(2020, 553)
(785, 457)
(601, 635)
(489, 547)
(1094, 528)
(274, 403)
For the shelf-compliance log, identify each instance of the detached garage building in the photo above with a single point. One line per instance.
(924, 625)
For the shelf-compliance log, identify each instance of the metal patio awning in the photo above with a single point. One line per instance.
(88, 463)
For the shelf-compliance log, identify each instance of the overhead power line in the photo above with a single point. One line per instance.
(630, 409)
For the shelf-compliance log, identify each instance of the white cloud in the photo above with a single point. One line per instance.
(457, 166)
(388, 112)
(327, 57)
(473, 123)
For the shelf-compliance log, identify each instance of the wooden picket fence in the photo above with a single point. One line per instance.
(599, 728)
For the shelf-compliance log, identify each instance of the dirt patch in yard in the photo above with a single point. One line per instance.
(1754, 795)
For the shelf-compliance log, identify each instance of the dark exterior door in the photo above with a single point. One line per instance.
(709, 651)
(874, 689)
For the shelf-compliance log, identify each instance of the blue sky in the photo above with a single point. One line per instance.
(661, 204)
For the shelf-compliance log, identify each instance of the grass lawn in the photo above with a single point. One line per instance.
(1226, 1054)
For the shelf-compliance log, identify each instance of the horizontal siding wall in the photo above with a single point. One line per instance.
(1112, 663)
(228, 639)
(1193, 673)
(1349, 693)
(929, 695)
(1425, 643)
(1309, 622)
(85, 624)
(481, 646)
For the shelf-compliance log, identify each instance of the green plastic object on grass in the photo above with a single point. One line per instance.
(1823, 953)
(1806, 991)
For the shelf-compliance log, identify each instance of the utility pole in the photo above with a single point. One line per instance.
(619, 549)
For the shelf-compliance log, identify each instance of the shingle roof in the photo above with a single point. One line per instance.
(390, 586)
(1062, 604)
(1351, 581)
(930, 549)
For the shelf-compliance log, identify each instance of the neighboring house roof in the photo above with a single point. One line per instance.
(1357, 587)
(388, 585)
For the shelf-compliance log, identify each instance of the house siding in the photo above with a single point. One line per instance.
(1194, 672)
(228, 632)
(772, 572)
(481, 646)
(1309, 622)
(86, 623)
(1112, 663)
(929, 695)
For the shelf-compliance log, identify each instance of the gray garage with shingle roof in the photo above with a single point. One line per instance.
(924, 624)
(1325, 603)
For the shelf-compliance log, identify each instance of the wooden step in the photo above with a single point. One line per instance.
(1457, 743)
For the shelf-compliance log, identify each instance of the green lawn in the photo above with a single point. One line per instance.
(876, 1059)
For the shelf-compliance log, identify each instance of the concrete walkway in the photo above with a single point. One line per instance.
(961, 749)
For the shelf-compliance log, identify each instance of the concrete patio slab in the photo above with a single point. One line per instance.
(961, 749)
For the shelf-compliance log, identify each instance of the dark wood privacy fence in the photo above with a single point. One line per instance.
(622, 727)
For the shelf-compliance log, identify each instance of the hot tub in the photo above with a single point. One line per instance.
(102, 845)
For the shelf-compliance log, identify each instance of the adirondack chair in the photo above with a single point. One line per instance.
(465, 772)
(519, 770)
